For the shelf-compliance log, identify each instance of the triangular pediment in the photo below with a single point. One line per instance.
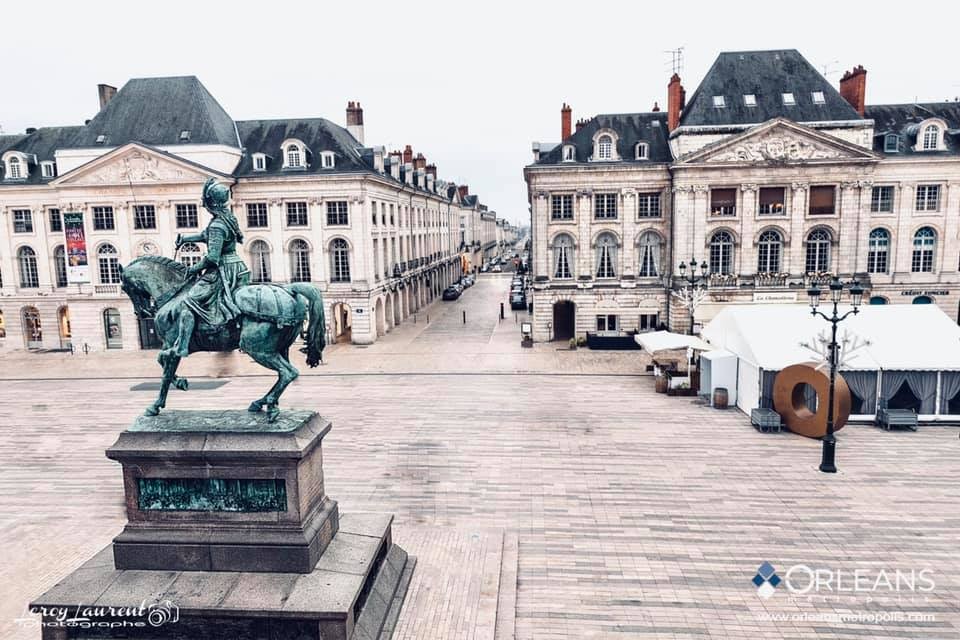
(135, 163)
(779, 141)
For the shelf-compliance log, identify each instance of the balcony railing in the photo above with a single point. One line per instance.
(722, 281)
(819, 279)
(770, 279)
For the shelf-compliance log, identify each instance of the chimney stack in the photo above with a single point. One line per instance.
(566, 119)
(355, 120)
(676, 100)
(408, 155)
(106, 93)
(463, 190)
(432, 170)
(853, 88)
(581, 123)
(395, 159)
(419, 162)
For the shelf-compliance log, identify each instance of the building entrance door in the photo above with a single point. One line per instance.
(32, 332)
(564, 315)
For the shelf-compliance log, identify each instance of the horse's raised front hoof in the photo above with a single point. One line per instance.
(181, 383)
(255, 407)
(152, 410)
(273, 413)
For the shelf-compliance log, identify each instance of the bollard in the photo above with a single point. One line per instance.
(514, 318)
(501, 311)
(428, 318)
(464, 317)
(414, 318)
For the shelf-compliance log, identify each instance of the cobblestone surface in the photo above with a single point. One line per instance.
(633, 515)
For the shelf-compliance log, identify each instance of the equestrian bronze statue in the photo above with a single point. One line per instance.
(211, 306)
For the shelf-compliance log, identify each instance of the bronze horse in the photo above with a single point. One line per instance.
(271, 319)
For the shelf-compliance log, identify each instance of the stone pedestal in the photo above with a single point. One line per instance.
(231, 535)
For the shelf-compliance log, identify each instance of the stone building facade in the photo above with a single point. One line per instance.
(769, 176)
(377, 232)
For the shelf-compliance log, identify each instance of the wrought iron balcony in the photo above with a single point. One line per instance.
(722, 281)
(771, 279)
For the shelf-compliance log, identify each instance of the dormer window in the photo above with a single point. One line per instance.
(788, 99)
(48, 169)
(185, 135)
(931, 138)
(327, 160)
(294, 157)
(101, 139)
(569, 153)
(749, 100)
(295, 154)
(891, 143)
(604, 148)
(818, 97)
(14, 171)
(642, 151)
(259, 162)
(719, 102)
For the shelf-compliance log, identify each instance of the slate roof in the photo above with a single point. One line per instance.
(155, 110)
(631, 128)
(904, 120)
(42, 144)
(767, 75)
(319, 134)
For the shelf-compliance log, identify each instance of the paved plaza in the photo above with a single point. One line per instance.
(545, 493)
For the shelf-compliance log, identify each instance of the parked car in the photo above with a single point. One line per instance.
(496, 269)
(518, 301)
(451, 293)
(484, 268)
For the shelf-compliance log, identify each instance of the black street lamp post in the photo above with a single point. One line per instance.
(692, 280)
(828, 455)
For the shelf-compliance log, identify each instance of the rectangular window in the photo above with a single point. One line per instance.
(22, 221)
(648, 205)
(723, 202)
(257, 215)
(749, 100)
(648, 322)
(928, 197)
(296, 214)
(103, 219)
(56, 221)
(788, 99)
(605, 206)
(771, 201)
(46, 169)
(337, 213)
(881, 199)
(891, 143)
(818, 97)
(187, 216)
(259, 163)
(144, 216)
(719, 102)
(822, 200)
(607, 322)
(561, 207)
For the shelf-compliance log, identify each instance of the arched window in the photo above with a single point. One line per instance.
(293, 156)
(878, 251)
(259, 261)
(27, 259)
(931, 138)
(606, 256)
(923, 300)
(721, 253)
(340, 260)
(32, 331)
(299, 261)
(924, 246)
(563, 256)
(769, 250)
(13, 167)
(604, 147)
(190, 254)
(650, 246)
(818, 251)
(3, 326)
(111, 328)
(878, 300)
(108, 262)
(60, 265)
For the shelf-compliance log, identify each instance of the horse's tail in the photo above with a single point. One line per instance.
(316, 338)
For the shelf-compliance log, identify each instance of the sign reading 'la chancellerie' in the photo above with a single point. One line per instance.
(78, 264)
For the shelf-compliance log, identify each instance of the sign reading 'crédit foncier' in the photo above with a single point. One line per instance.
(925, 292)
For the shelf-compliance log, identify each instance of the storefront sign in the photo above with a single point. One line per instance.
(925, 292)
(775, 296)
(78, 265)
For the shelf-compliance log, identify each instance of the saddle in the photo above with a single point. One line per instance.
(270, 303)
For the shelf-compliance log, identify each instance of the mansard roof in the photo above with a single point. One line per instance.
(318, 134)
(155, 111)
(40, 146)
(631, 128)
(904, 120)
(767, 75)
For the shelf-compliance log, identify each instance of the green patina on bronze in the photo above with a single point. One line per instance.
(220, 422)
(211, 306)
(212, 494)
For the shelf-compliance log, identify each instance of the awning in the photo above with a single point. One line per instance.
(667, 341)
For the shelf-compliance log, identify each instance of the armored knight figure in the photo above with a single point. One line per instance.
(217, 276)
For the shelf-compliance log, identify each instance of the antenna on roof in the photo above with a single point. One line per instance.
(676, 59)
(828, 69)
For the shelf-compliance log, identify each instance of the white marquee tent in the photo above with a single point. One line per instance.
(912, 358)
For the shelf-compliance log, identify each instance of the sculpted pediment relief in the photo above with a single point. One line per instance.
(135, 166)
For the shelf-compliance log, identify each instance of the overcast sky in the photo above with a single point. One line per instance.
(470, 85)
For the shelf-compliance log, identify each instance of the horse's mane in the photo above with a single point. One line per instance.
(163, 261)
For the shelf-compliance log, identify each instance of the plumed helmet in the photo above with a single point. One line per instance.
(215, 195)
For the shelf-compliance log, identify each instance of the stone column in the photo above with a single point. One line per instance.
(698, 221)
(584, 253)
(798, 212)
(845, 255)
(681, 240)
(746, 257)
(902, 251)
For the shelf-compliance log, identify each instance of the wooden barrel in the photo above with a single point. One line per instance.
(662, 384)
(720, 398)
